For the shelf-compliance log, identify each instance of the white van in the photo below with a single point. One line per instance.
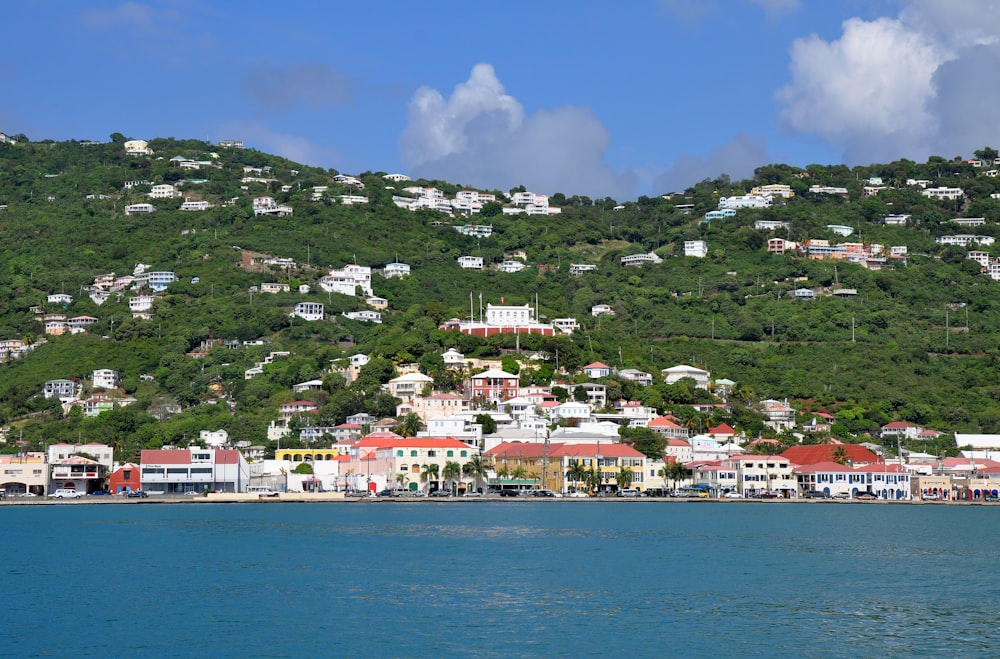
(261, 491)
(66, 494)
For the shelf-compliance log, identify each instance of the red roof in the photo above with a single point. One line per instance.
(822, 467)
(677, 442)
(662, 422)
(722, 429)
(418, 442)
(816, 453)
(604, 450)
(898, 425)
(595, 365)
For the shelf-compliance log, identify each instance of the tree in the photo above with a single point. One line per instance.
(624, 477)
(839, 455)
(429, 473)
(402, 479)
(987, 154)
(452, 472)
(576, 473)
(303, 468)
(476, 468)
(488, 423)
(672, 471)
(410, 425)
(648, 442)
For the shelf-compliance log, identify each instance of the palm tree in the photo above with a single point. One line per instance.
(673, 471)
(576, 473)
(410, 425)
(839, 455)
(452, 471)
(476, 468)
(402, 479)
(624, 477)
(430, 472)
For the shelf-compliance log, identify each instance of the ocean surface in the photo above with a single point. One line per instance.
(498, 578)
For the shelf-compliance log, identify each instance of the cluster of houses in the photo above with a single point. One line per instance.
(471, 202)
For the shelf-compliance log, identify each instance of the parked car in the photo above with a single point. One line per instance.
(472, 493)
(136, 494)
(99, 493)
(357, 493)
(768, 495)
(63, 493)
(842, 495)
(865, 496)
(391, 492)
(510, 493)
(732, 495)
(629, 494)
(547, 493)
(441, 493)
(578, 495)
(816, 494)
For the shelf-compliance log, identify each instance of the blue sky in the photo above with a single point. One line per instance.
(590, 97)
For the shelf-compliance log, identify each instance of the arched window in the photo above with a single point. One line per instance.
(413, 453)
(451, 454)
(399, 453)
(462, 453)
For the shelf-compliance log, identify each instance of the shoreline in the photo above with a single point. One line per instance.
(338, 497)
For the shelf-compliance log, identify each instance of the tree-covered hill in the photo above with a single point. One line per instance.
(917, 342)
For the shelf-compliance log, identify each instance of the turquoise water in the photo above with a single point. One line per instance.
(552, 578)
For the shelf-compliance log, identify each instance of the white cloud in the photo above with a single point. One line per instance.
(312, 85)
(481, 136)
(909, 86)
(738, 159)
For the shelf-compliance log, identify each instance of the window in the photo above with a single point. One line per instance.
(431, 454)
(413, 454)
(463, 454)
(399, 453)
(451, 454)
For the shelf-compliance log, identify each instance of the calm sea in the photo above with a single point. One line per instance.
(532, 579)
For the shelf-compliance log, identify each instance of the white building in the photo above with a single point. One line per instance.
(365, 316)
(964, 240)
(137, 209)
(164, 191)
(309, 311)
(602, 310)
(745, 201)
(471, 262)
(195, 206)
(347, 280)
(397, 270)
(104, 378)
(167, 471)
(696, 248)
(943, 193)
(580, 268)
(640, 259)
(676, 373)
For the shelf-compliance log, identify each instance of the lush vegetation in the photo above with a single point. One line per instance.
(918, 343)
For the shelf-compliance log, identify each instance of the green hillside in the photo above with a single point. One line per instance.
(918, 342)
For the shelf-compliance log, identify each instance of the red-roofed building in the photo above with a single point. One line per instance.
(597, 370)
(289, 410)
(388, 460)
(165, 471)
(668, 428)
(852, 454)
(901, 429)
(722, 432)
(678, 450)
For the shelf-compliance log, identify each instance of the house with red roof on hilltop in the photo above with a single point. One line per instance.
(722, 432)
(901, 429)
(597, 370)
(296, 407)
(847, 454)
(668, 428)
